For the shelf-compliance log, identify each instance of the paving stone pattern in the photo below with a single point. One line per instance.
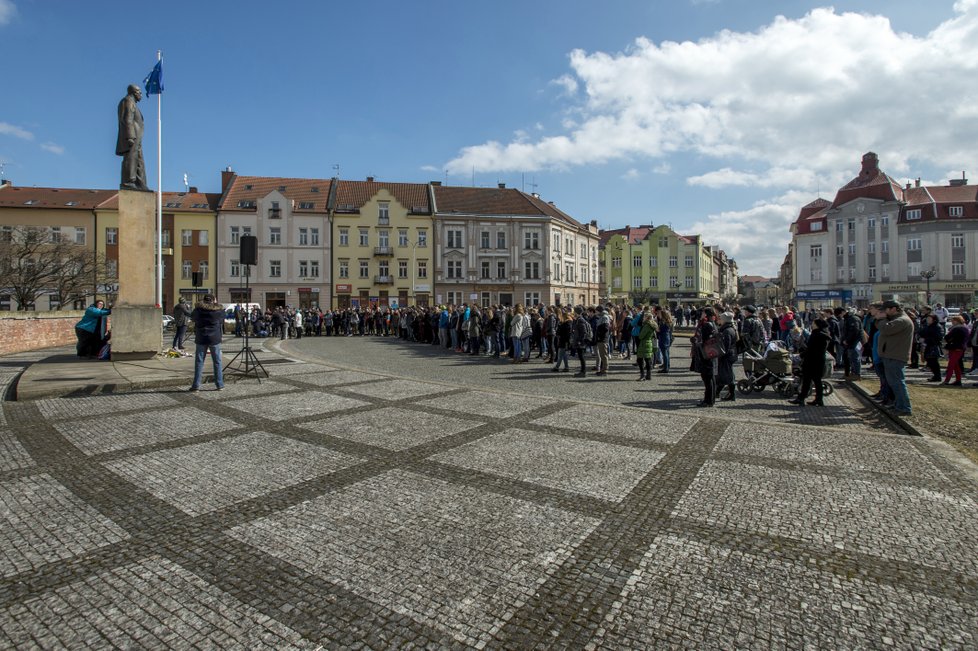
(461, 504)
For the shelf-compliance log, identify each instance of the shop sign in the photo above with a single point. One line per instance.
(345, 288)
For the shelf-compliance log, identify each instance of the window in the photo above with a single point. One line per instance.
(957, 268)
(202, 238)
(871, 247)
(454, 269)
(852, 224)
(955, 211)
(314, 236)
(306, 205)
(235, 269)
(653, 261)
(383, 269)
(872, 273)
(886, 271)
(817, 274)
(583, 276)
(885, 220)
(584, 251)
(402, 237)
(840, 249)
(636, 261)
(616, 282)
(275, 212)
(500, 239)
(422, 238)
(616, 262)
(689, 282)
(364, 237)
(654, 281)
(204, 268)
(364, 269)
(913, 244)
(531, 298)
(531, 270)
(303, 268)
(885, 246)
(841, 273)
(569, 246)
(303, 237)
(275, 268)
(80, 234)
(816, 226)
(913, 214)
(344, 269)
(402, 269)
(663, 242)
(555, 239)
(839, 226)
(689, 262)
(816, 250)
(852, 248)
(871, 222)
(913, 270)
(673, 261)
(186, 269)
(111, 235)
(453, 238)
(55, 234)
(187, 237)
(531, 240)
(275, 235)
(569, 272)
(673, 281)
(166, 239)
(245, 230)
(500, 270)
(484, 240)
(485, 269)
(384, 239)
(422, 268)
(344, 237)
(637, 282)
(383, 212)
(957, 241)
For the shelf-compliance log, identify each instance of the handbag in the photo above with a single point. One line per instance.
(713, 348)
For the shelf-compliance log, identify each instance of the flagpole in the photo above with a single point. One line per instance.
(159, 193)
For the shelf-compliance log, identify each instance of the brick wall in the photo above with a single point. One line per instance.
(20, 331)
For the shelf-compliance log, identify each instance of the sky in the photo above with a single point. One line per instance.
(717, 117)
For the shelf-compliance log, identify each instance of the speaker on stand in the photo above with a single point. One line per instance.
(248, 364)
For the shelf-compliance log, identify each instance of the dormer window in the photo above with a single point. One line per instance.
(913, 214)
(306, 205)
(246, 204)
(955, 211)
(274, 211)
(816, 226)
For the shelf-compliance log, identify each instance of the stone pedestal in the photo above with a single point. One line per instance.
(137, 324)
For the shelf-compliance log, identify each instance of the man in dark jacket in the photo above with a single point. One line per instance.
(181, 316)
(208, 318)
(813, 364)
(852, 338)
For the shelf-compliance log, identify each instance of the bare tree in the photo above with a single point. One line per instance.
(35, 261)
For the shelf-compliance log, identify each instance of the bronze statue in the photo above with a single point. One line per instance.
(130, 142)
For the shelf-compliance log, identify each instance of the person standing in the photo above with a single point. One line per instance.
(813, 363)
(580, 335)
(181, 316)
(665, 338)
(91, 330)
(725, 362)
(208, 318)
(895, 340)
(602, 332)
(645, 351)
(706, 329)
(930, 338)
(954, 342)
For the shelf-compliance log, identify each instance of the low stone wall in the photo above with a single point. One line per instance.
(20, 331)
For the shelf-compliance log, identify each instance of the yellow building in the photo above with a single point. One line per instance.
(382, 243)
(189, 244)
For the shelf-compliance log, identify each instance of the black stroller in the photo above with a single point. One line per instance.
(772, 369)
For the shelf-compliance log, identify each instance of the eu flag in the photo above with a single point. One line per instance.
(154, 80)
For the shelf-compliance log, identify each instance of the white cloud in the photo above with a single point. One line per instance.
(662, 168)
(7, 11)
(430, 168)
(567, 84)
(798, 95)
(631, 175)
(53, 148)
(7, 129)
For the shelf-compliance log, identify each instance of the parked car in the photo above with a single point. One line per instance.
(167, 322)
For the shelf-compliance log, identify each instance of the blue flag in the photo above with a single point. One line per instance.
(154, 80)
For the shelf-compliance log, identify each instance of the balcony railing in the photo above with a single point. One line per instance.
(383, 280)
(384, 221)
(383, 250)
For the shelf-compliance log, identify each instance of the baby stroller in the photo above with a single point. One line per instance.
(795, 386)
(772, 369)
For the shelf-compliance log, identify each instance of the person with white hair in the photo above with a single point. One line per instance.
(725, 372)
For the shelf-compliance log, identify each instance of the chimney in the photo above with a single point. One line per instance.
(193, 189)
(370, 179)
(908, 186)
(916, 182)
(871, 165)
(959, 182)
(535, 195)
(502, 186)
(226, 177)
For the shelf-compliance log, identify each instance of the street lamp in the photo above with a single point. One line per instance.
(927, 275)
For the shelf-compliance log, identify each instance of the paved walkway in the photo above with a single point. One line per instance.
(396, 496)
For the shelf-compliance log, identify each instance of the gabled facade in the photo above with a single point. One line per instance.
(382, 235)
(502, 246)
(290, 218)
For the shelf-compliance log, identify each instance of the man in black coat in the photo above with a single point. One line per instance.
(208, 318)
(813, 364)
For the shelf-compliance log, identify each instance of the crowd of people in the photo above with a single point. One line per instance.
(883, 338)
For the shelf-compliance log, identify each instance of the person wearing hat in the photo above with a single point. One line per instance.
(752, 330)
(893, 346)
(813, 364)
(208, 318)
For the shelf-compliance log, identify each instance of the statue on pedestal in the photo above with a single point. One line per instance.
(129, 144)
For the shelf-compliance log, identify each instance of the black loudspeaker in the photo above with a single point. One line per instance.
(249, 250)
(196, 278)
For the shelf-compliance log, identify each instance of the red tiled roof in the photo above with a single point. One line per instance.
(68, 198)
(811, 208)
(413, 196)
(935, 202)
(552, 210)
(186, 202)
(253, 188)
(871, 183)
(497, 202)
(753, 279)
(632, 234)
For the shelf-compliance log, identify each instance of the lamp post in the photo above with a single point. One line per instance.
(927, 275)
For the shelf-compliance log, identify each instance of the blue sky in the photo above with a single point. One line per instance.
(721, 117)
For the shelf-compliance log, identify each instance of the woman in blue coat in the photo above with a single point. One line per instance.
(91, 330)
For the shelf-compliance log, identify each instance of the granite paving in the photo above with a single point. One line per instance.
(379, 494)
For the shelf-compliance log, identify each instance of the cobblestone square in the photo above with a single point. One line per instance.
(596, 469)
(207, 476)
(398, 389)
(490, 405)
(452, 557)
(294, 405)
(12, 453)
(627, 423)
(391, 427)
(330, 377)
(61, 408)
